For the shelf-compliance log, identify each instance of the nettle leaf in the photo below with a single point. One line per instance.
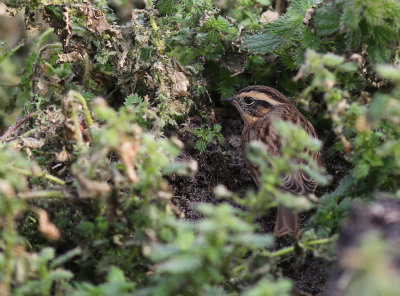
(290, 25)
(389, 72)
(301, 6)
(180, 264)
(361, 170)
(200, 145)
(263, 43)
(166, 6)
(378, 54)
(326, 20)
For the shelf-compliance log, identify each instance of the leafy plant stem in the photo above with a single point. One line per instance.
(159, 41)
(290, 249)
(78, 133)
(41, 194)
(86, 77)
(44, 175)
(16, 126)
(73, 94)
(8, 249)
(228, 260)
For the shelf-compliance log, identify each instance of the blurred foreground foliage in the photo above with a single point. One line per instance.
(85, 208)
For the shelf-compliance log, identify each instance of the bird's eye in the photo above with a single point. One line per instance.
(248, 101)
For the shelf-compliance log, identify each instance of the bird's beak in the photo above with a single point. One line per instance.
(229, 100)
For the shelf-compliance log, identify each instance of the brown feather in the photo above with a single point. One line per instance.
(258, 127)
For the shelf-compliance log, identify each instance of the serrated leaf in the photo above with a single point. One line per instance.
(166, 6)
(301, 6)
(332, 60)
(361, 170)
(60, 274)
(348, 67)
(200, 145)
(389, 72)
(378, 54)
(326, 20)
(263, 43)
(180, 264)
(116, 275)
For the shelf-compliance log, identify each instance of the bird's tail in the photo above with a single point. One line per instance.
(287, 223)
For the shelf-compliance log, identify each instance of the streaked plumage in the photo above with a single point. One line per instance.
(258, 105)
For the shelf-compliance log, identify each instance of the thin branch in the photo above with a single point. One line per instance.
(36, 65)
(43, 174)
(5, 84)
(74, 94)
(13, 128)
(290, 249)
(86, 76)
(41, 194)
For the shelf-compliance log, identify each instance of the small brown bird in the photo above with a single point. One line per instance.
(258, 105)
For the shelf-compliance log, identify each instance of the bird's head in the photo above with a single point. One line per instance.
(253, 102)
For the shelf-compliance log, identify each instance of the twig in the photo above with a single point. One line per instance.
(36, 65)
(41, 194)
(73, 94)
(44, 175)
(8, 251)
(78, 133)
(86, 76)
(13, 128)
(5, 84)
(290, 249)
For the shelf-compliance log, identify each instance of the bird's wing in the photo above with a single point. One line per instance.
(297, 181)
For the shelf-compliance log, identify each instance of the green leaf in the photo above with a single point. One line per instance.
(200, 145)
(166, 6)
(361, 170)
(10, 53)
(267, 287)
(378, 54)
(332, 60)
(116, 275)
(217, 128)
(377, 107)
(60, 274)
(326, 20)
(348, 67)
(389, 72)
(180, 264)
(66, 257)
(263, 43)
(264, 2)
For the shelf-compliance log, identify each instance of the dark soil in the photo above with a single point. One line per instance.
(226, 165)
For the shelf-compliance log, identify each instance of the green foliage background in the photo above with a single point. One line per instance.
(104, 83)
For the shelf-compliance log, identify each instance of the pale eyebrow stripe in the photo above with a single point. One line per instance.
(259, 96)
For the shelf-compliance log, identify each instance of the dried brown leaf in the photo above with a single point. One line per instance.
(178, 82)
(70, 57)
(268, 16)
(127, 152)
(33, 143)
(46, 227)
(88, 188)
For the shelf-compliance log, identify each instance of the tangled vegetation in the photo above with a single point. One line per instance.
(106, 106)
